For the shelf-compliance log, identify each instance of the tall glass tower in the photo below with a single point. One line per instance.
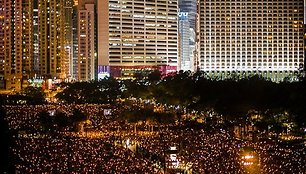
(187, 25)
(187, 43)
(190, 7)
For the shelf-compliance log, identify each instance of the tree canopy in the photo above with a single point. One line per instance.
(102, 91)
(233, 98)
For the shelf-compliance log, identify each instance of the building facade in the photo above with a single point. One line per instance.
(68, 64)
(52, 52)
(75, 22)
(35, 38)
(86, 40)
(190, 7)
(187, 43)
(252, 37)
(137, 35)
(187, 24)
(16, 42)
(2, 57)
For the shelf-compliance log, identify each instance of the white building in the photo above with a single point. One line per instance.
(137, 35)
(252, 37)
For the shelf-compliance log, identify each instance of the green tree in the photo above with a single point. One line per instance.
(154, 77)
(103, 91)
(36, 95)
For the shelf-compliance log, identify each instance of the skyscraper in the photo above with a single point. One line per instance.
(187, 24)
(75, 46)
(86, 40)
(52, 53)
(137, 35)
(68, 10)
(16, 41)
(2, 57)
(190, 7)
(187, 43)
(251, 37)
(35, 38)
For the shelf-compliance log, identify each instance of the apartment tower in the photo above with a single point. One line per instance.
(16, 40)
(68, 63)
(75, 22)
(86, 40)
(2, 57)
(52, 53)
(35, 39)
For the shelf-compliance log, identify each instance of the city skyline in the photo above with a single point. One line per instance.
(85, 40)
(153, 86)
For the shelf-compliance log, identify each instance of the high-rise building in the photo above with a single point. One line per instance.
(190, 7)
(68, 64)
(187, 43)
(35, 38)
(136, 36)
(52, 53)
(2, 57)
(16, 42)
(75, 41)
(86, 40)
(187, 24)
(252, 37)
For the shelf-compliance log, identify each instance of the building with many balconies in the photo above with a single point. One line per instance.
(16, 21)
(86, 40)
(252, 37)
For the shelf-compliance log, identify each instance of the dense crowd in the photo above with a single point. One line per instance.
(281, 158)
(212, 152)
(27, 117)
(76, 155)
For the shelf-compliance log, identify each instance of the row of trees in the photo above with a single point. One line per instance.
(233, 98)
(28, 95)
(103, 92)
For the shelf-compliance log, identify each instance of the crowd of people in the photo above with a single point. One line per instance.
(214, 151)
(76, 155)
(281, 158)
